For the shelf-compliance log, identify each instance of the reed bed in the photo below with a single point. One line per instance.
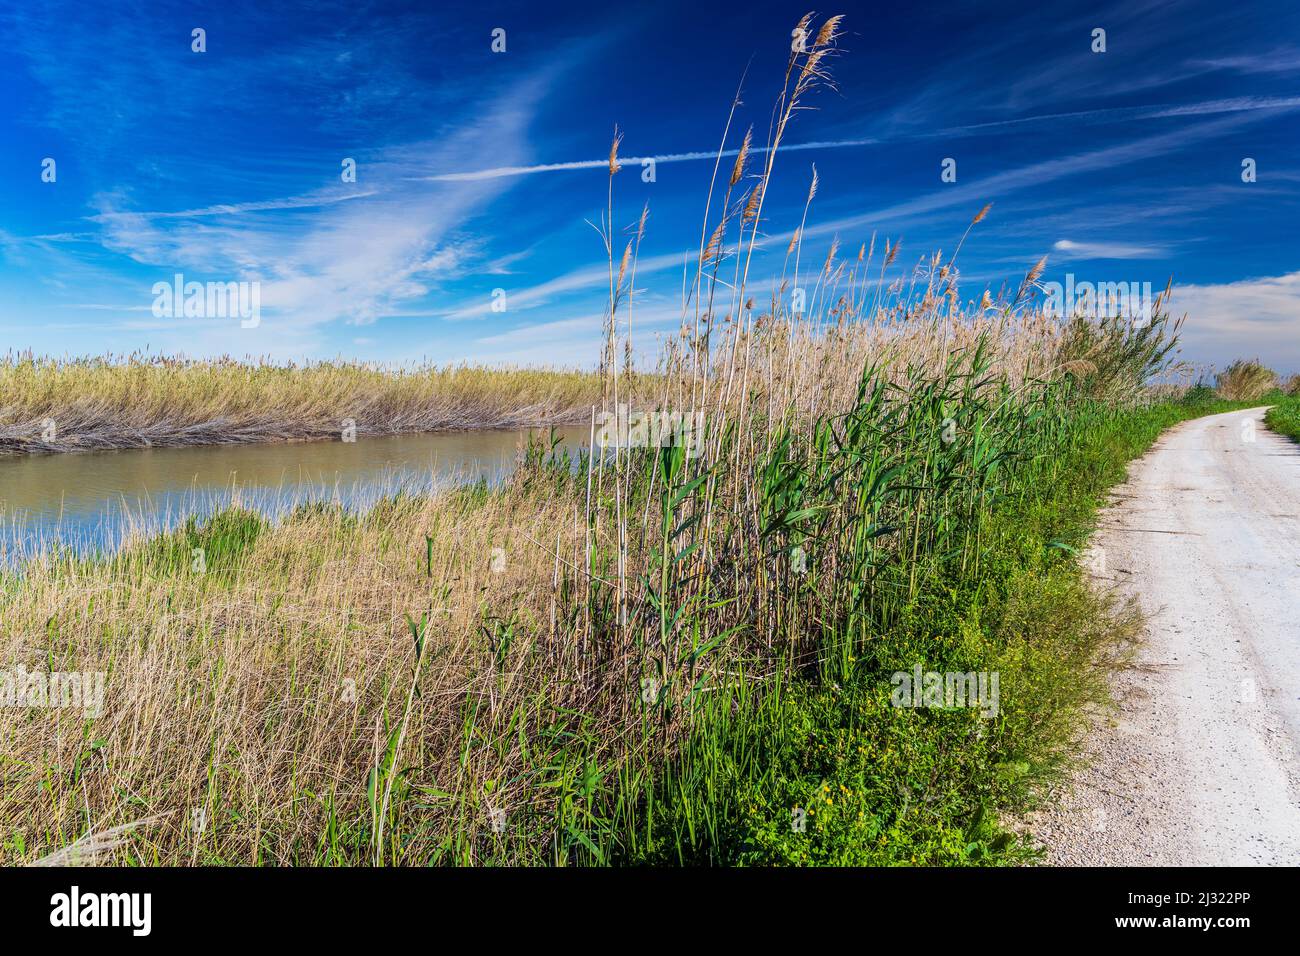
(648, 654)
(49, 405)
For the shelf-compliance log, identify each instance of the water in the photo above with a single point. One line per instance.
(92, 501)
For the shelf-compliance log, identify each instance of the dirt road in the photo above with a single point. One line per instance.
(1202, 764)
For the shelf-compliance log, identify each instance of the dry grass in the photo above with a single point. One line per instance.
(1245, 381)
(48, 405)
(250, 707)
(265, 685)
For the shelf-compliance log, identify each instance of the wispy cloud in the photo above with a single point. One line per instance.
(352, 256)
(314, 200)
(1279, 60)
(498, 172)
(1105, 250)
(972, 195)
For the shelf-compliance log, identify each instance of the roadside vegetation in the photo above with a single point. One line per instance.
(1252, 383)
(684, 654)
(1245, 381)
(1284, 416)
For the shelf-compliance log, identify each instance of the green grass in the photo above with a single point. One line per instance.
(817, 767)
(214, 545)
(1284, 416)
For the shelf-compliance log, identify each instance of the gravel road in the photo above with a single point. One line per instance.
(1202, 763)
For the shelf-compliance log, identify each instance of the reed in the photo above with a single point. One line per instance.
(1245, 380)
(49, 405)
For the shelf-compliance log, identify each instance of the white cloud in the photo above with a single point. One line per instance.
(498, 172)
(1250, 318)
(1119, 114)
(1282, 60)
(1105, 250)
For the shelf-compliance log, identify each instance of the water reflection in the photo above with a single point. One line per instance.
(90, 501)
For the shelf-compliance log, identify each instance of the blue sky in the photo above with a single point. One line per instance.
(225, 165)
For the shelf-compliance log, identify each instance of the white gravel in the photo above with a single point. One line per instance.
(1201, 765)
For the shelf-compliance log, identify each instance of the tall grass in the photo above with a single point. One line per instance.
(1245, 381)
(810, 763)
(136, 401)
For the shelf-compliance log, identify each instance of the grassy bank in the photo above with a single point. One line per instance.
(450, 679)
(132, 402)
(1284, 416)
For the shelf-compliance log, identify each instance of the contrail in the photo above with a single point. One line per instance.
(1154, 111)
(231, 209)
(500, 171)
